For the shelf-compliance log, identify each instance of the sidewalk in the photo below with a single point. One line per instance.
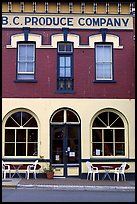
(68, 184)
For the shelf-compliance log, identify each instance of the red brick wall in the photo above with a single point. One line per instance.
(84, 69)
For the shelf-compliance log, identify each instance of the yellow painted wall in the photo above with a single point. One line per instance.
(76, 7)
(64, 7)
(101, 8)
(89, 7)
(28, 6)
(40, 7)
(113, 8)
(44, 108)
(16, 7)
(52, 7)
(4, 6)
(125, 8)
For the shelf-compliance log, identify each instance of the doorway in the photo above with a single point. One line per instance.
(65, 151)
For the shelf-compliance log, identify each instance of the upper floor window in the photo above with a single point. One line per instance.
(26, 61)
(65, 67)
(104, 69)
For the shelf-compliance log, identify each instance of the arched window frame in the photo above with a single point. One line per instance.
(126, 138)
(8, 115)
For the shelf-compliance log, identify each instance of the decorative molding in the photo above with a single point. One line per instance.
(55, 38)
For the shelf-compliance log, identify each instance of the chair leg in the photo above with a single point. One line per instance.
(34, 175)
(9, 174)
(124, 178)
(117, 177)
(98, 176)
(4, 175)
(93, 177)
(27, 175)
(87, 176)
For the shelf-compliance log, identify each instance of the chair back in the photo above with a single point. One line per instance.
(122, 167)
(35, 164)
(89, 166)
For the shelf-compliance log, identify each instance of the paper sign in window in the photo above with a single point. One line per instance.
(72, 154)
(97, 152)
(57, 157)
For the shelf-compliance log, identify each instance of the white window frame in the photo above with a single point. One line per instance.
(26, 61)
(103, 62)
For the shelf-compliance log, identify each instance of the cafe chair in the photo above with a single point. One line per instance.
(5, 170)
(31, 169)
(92, 171)
(120, 171)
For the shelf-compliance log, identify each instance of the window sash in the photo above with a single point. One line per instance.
(26, 59)
(104, 62)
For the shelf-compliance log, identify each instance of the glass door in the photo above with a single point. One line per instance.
(65, 146)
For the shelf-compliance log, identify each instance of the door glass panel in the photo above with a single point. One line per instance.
(72, 153)
(57, 145)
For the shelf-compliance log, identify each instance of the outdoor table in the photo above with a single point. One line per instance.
(107, 169)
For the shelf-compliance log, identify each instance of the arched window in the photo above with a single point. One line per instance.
(21, 135)
(108, 135)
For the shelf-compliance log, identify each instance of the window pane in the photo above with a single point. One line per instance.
(68, 47)
(22, 52)
(99, 53)
(17, 117)
(62, 72)
(119, 149)
(108, 135)
(30, 67)
(61, 47)
(21, 136)
(97, 135)
(97, 149)
(71, 117)
(9, 135)
(107, 70)
(108, 149)
(118, 123)
(32, 135)
(99, 71)
(30, 49)
(31, 123)
(68, 64)
(68, 72)
(32, 149)
(58, 117)
(119, 135)
(11, 123)
(62, 61)
(21, 149)
(107, 53)
(21, 67)
(9, 149)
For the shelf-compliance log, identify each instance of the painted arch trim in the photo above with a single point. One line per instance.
(55, 38)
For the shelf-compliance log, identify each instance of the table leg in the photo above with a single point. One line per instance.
(17, 172)
(107, 174)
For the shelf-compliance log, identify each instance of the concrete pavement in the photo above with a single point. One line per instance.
(68, 184)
